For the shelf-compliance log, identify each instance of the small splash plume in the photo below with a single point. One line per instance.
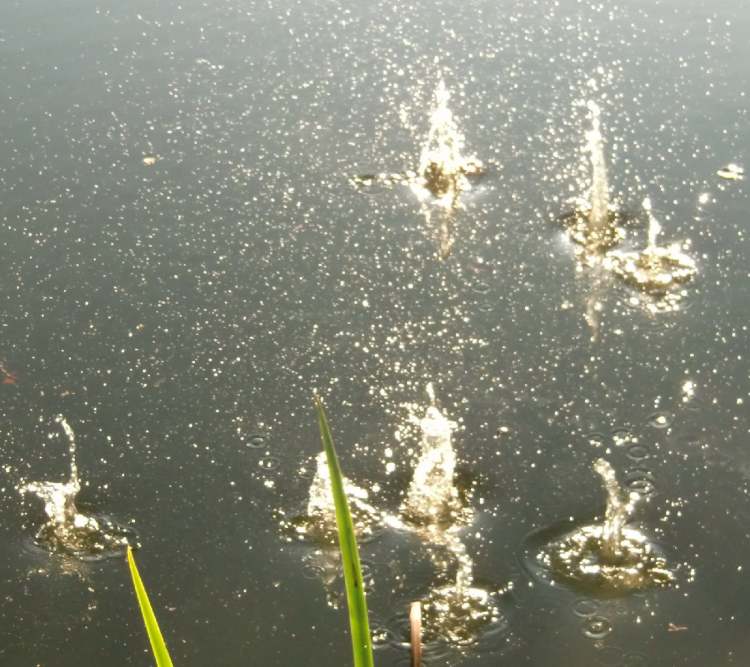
(656, 270)
(67, 529)
(443, 169)
(610, 557)
(319, 522)
(457, 612)
(599, 197)
(433, 497)
(593, 223)
(442, 175)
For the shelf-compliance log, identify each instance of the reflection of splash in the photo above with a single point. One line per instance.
(608, 557)
(67, 529)
(656, 270)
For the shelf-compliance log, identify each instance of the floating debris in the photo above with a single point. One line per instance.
(608, 557)
(732, 172)
(7, 375)
(150, 160)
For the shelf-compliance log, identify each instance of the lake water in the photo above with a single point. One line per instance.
(185, 260)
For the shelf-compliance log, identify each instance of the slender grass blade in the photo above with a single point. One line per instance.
(158, 647)
(355, 591)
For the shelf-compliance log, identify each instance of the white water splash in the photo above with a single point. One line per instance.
(610, 556)
(599, 194)
(442, 166)
(67, 529)
(432, 496)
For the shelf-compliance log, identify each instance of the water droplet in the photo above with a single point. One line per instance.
(638, 452)
(479, 265)
(256, 441)
(481, 287)
(585, 607)
(269, 463)
(640, 480)
(597, 627)
(595, 439)
(661, 419)
(621, 436)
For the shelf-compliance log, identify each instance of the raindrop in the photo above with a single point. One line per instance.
(638, 452)
(256, 441)
(585, 607)
(640, 480)
(595, 439)
(481, 287)
(621, 436)
(269, 463)
(661, 420)
(597, 627)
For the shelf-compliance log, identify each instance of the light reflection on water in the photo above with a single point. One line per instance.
(156, 304)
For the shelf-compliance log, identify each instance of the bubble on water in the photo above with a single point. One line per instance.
(585, 607)
(638, 452)
(641, 481)
(621, 437)
(481, 287)
(381, 635)
(661, 419)
(595, 439)
(269, 463)
(597, 627)
(256, 441)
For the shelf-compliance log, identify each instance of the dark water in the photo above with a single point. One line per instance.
(175, 311)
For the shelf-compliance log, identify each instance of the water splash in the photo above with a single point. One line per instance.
(610, 557)
(656, 270)
(67, 529)
(599, 197)
(443, 169)
(318, 524)
(443, 173)
(455, 610)
(593, 222)
(432, 497)
(458, 611)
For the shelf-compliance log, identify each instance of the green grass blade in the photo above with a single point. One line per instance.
(158, 647)
(355, 591)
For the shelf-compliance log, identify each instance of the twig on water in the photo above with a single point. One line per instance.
(415, 622)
